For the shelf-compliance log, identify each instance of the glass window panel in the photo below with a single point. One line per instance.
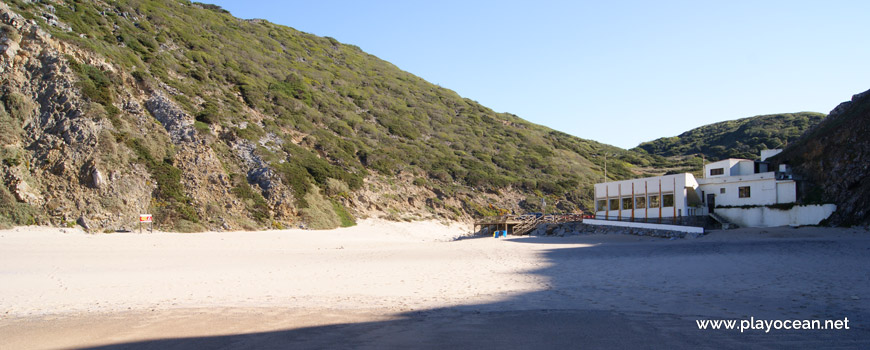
(640, 202)
(668, 200)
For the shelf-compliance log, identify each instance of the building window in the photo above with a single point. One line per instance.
(640, 202)
(717, 171)
(626, 203)
(602, 204)
(614, 204)
(653, 201)
(722, 190)
(668, 200)
(743, 192)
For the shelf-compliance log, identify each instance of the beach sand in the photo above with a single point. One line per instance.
(387, 284)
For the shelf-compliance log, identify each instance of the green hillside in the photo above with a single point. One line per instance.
(323, 116)
(741, 138)
(214, 122)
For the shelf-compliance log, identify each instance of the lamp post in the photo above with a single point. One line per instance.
(605, 167)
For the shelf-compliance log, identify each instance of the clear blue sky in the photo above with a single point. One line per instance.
(619, 72)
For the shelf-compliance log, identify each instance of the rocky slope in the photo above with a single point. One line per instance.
(112, 109)
(54, 141)
(834, 157)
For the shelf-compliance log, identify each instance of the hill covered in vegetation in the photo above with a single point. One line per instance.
(111, 109)
(741, 138)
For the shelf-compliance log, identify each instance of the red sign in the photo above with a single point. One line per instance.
(145, 218)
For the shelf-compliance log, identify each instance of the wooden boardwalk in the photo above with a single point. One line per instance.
(522, 224)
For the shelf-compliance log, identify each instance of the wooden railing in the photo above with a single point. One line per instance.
(523, 224)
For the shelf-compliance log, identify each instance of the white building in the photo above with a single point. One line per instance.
(727, 183)
(653, 197)
(741, 182)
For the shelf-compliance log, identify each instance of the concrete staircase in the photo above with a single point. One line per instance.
(726, 225)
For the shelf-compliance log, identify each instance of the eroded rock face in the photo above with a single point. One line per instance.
(68, 146)
(60, 171)
(835, 156)
(178, 123)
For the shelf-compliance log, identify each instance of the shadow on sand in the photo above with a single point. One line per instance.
(644, 295)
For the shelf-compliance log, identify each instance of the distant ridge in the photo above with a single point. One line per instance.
(741, 138)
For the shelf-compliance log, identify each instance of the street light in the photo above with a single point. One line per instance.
(605, 166)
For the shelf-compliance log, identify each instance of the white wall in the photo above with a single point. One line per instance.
(763, 189)
(786, 192)
(798, 215)
(767, 153)
(689, 229)
(726, 164)
(744, 167)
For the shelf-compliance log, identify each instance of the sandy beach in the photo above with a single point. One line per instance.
(421, 285)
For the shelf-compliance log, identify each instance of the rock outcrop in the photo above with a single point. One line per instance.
(834, 157)
(59, 161)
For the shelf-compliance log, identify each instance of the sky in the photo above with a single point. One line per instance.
(618, 72)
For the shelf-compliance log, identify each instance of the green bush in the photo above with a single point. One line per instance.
(209, 114)
(173, 202)
(14, 213)
(254, 201)
(419, 181)
(293, 86)
(320, 213)
(201, 127)
(343, 215)
(93, 82)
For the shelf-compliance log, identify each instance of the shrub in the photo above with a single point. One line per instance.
(10, 32)
(10, 129)
(93, 82)
(335, 187)
(319, 214)
(18, 106)
(172, 201)
(13, 212)
(201, 127)
(293, 86)
(254, 201)
(343, 215)
(209, 114)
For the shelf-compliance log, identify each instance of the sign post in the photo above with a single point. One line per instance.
(143, 218)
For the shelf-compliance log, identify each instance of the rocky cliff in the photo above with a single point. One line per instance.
(834, 157)
(55, 143)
